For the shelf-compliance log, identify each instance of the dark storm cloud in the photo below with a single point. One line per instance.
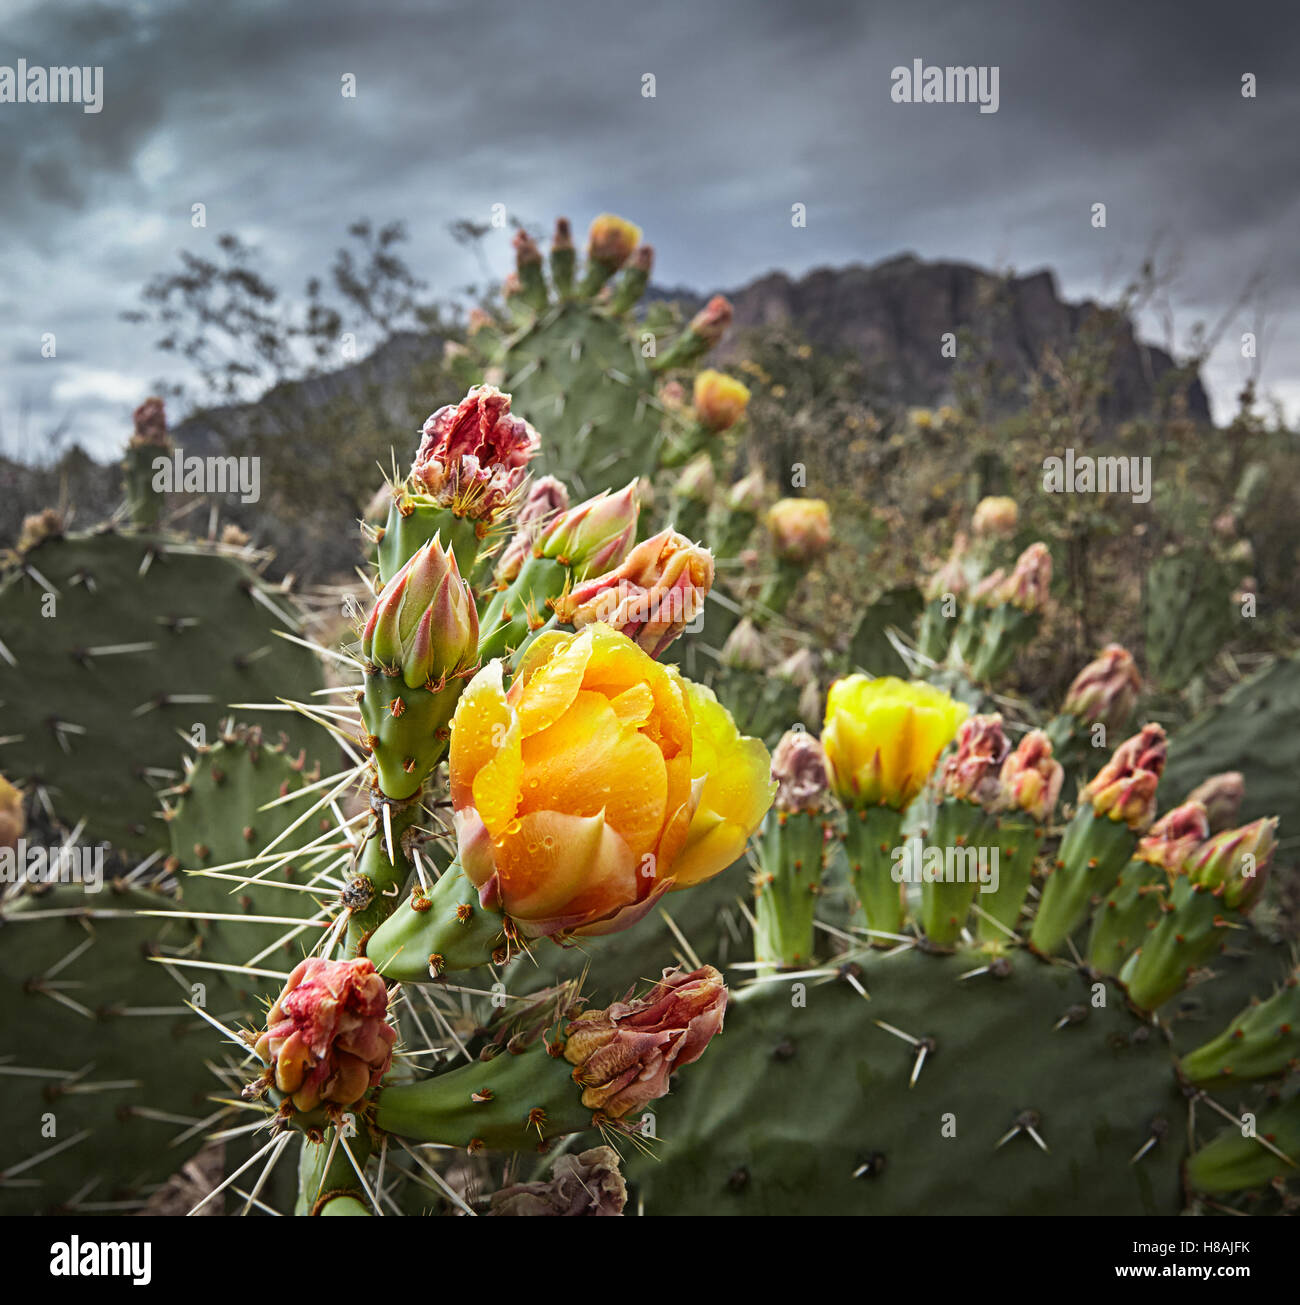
(538, 106)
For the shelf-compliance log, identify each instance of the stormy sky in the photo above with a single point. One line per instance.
(759, 105)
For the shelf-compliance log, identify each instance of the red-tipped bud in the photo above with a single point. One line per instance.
(1222, 796)
(1031, 779)
(1125, 787)
(526, 251)
(1174, 837)
(711, 322)
(624, 1054)
(327, 1038)
(799, 768)
(546, 499)
(563, 237)
(596, 535)
(1106, 690)
(1029, 584)
(720, 400)
(424, 623)
(151, 424)
(800, 528)
(746, 496)
(1236, 862)
(973, 772)
(656, 592)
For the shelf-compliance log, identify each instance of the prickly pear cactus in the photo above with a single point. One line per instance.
(104, 1067)
(116, 642)
(577, 363)
(1189, 615)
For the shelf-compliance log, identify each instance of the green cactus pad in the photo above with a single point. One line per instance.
(117, 643)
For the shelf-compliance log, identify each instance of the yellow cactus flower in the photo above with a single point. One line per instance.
(800, 528)
(586, 790)
(612, 239)
(720, 400)
(734, 773)
(883, 737)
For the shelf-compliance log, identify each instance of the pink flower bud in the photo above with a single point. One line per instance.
(1031, 779)
(327, 1038)
(799, 768)
(1235, 863)
(747, 495)
(547, 498)
(1174, 837)
(563, 237)
(526, 250)
(950, 578)
(972, 773)
(1029, 584)
(1125, 787)
(744, 649)
(711, 322)
(624, 1054)
(596, 535)
(656, 592)
(1222, 796)
(1106, 690)
(151, 424)
(697, 480)
(424, 623)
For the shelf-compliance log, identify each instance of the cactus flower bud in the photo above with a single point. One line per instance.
(546, 499)
(1031, 779)
(585, 1184)
(1106, 690)
(995, 518)
(1029, 583)
(13, 821)
(478, 321)
(652, 596)
(151, 424)
(747, 494)
(1236, 862)
(327, 1038)
(1222, 796)
(1125, 787)
(611, 240)
(1174, 837)
(989, 589)
(799, 768)
(474, 455)
(744, 649)
(800, 668)
(424, 623)
(800, 528)
(596, 535)
(973, 772)
(526, 251)
(950, 578)
(623, 1055)
(697, 481)
(720, 400)
(711, 322)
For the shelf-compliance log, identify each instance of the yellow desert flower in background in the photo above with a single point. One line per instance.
(587, 789)
(800, 528)
(883, 736)
(720, 400)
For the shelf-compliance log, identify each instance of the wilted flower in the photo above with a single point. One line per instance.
(1106, 690)
(973, 772)
(546, 499)
(799, 768)
(151, 424)
(652, 596)
(596, 534)
(882, 738)
(424, 623)
(327, 1038)
(1174, 837)
(474, 455)
(624, 1054)
(1236, 862)
(576, 792)
(585, 1184)
(1125, 787)
(995, 517)
(610, 240)
(1031, 778)
(1030, 582)
(720, 400)
(1222, 796)
(800, 528)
